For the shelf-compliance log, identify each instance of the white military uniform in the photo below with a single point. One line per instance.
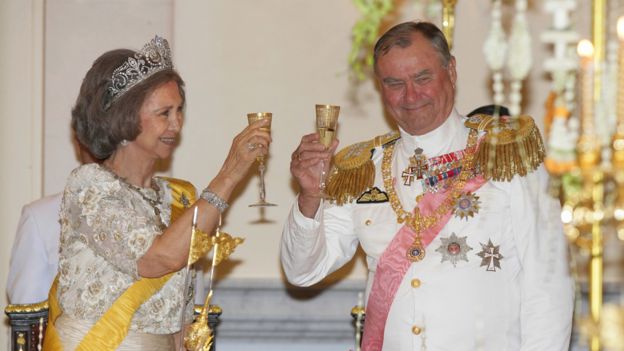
(34, 257)
(526, 304)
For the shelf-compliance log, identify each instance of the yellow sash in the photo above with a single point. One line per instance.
(111, 329)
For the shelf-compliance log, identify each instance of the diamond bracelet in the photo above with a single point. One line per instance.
(214, 200)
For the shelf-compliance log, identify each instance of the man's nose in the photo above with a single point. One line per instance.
(412, 92)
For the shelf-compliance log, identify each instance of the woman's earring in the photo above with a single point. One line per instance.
(124, 142)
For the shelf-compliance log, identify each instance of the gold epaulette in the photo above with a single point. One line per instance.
(353, 171)
(511, 146)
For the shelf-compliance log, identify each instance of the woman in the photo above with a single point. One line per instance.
(119, 223)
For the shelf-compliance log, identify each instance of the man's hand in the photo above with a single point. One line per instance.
(306, 165)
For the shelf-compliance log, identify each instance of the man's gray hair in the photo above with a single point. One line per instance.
(401, 36)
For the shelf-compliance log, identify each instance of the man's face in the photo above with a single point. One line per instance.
(417, 90)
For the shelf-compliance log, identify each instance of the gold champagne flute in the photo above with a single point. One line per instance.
(251, 118)
(326, 123)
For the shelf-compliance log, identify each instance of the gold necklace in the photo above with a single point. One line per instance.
(416, 221)
(154, 203)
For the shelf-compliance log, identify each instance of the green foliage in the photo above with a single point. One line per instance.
(572, 186)
(365, 32)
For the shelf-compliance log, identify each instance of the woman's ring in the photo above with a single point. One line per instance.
(251, 147)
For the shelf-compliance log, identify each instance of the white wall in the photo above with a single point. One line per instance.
(77, 32)
(21, 93)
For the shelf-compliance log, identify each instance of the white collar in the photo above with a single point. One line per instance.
(450, 136)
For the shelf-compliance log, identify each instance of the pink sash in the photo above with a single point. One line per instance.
(393, 264)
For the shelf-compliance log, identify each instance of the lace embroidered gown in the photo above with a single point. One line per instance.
(106, 227)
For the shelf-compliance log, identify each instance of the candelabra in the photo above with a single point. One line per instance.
(593, 180)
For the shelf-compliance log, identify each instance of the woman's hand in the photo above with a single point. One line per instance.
(169, 252)
(306, 166)
(249, 144)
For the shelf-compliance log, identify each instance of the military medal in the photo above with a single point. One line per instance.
(416, 221)
(438, 179)
(417, 168)
(490, 256)
(453, 249)
(467, 205)
(416, 252)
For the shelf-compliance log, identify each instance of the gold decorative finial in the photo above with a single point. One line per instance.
(448, 20)
(200, 335)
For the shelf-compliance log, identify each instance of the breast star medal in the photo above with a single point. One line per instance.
(467, 205)
(453, 249)
(490, 256)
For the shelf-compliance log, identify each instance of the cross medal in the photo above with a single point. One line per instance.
(491, 256)
(417, 168)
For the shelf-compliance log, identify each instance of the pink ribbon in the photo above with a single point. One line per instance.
(393, 264)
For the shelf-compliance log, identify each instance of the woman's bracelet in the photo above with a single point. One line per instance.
(214, 200)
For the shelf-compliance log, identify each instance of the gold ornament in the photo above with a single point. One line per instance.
(416, 221)
(226, 244)
(512, 146)
(200, 336)
(373, 195)
(448, 20)
(353, 171)
(201, 243)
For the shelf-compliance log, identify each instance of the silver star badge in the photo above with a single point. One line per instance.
(453, 249)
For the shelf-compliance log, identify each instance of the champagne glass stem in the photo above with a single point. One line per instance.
(261, 169)
(322, 184)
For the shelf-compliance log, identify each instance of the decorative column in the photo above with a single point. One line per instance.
(596, 263)
(448, 20)
(495, 51)
(562, 133)
(519, 60)
(617, 144)
(588, 145)
(599, 15)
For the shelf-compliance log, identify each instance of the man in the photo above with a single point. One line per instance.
(455, 261)
(34, 257)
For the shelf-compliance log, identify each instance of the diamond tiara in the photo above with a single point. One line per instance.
(154, 57)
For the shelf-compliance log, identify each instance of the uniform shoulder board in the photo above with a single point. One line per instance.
(511, 146)
(353, 171)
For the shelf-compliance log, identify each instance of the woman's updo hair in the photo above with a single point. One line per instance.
(101, 129)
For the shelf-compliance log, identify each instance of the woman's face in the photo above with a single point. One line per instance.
(161, 120)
